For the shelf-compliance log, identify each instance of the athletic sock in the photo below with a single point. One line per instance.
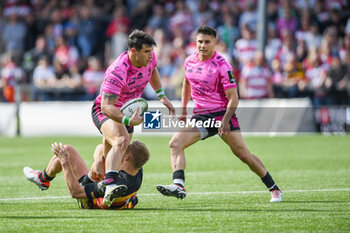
(44, 177)
(269, 182)
(179, 178)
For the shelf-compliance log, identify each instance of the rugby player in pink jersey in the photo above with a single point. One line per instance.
(209, 80)
(125, 79)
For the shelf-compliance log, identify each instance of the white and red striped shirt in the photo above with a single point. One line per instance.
(245, 50)
(257, 79)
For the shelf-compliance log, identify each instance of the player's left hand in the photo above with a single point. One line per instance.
(168, 104)
(59, 150)
(224, 128)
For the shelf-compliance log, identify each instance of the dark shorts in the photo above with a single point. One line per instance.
(211, 130)
(99, 118)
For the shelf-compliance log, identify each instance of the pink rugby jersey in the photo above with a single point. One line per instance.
(209, 79)
(126, 80)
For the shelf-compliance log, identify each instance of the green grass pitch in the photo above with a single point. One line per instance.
(223, 194)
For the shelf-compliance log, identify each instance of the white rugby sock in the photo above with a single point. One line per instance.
(179, 181)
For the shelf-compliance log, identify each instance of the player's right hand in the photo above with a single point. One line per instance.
(183, 116)
(97, 171)
(59, 150)
(135, 118)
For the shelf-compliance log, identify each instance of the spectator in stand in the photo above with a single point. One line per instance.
(75, 83)
(326, 52)
(166, 72)
(313, 36)
(246, 46)
(249, 16)
(345, 48)
(50, 39)
(117, 31)
(92, 78)
(347, 27)
(338, 80)
(286, 20)
(181, 19)
(337, 21)
(57, 22)
(88, 33)
(255, 81)
(140, 13)
(44, 79)
(294, 77)
(70, 31)
(11, 75)
(159, 19)
(272, 11)
(13, 34)
(321, 14)
(316, 75)
(277, 79)
(31, 57)
(228, 32)
(304, 29)
(331, 36)
(273, 45)
(288, 47)
(203, 16)
(68, 84)
(347, 63)
(301, 50)
(65, 54)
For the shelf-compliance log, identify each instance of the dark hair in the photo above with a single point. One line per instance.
(206, 30)
(138, 38)
(139, 154)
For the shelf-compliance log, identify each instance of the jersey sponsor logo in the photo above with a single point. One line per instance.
(214, 63)
(117, 75)
(221, 59)
(111, 81)
(231, 77)
(199, 70)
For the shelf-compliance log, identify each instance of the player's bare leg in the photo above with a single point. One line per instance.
(238, 146)
(117, 137)
(73, 167)
(178, 143)
(43, 178)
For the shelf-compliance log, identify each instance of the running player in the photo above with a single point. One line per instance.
(81, 185)
(125, 79)
(209, 80)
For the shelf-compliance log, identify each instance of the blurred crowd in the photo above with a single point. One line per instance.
(59, 49)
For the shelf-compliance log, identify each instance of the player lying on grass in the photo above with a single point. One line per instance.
(80, 182)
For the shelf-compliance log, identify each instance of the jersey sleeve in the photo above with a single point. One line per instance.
(115, 80)
(185, 67)
(227, 78)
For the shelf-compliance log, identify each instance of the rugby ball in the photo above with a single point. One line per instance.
(130, 107)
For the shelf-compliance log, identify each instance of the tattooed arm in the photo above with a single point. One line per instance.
(109, 109)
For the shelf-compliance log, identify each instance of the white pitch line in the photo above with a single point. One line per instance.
(198, 193)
